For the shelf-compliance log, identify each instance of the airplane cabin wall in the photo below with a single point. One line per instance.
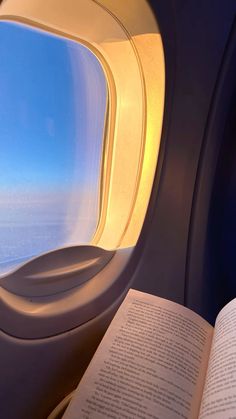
(195, 36)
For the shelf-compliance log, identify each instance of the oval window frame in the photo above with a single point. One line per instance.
(37, 316)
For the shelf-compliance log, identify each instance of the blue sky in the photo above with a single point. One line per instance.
(52, 112)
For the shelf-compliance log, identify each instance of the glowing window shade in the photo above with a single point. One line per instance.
(53, 100)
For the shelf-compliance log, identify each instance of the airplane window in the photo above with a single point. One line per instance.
(52, 118)
(81, 112)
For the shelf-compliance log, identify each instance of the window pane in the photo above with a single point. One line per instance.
(53, 99)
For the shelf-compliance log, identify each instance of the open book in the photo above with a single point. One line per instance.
(160, 360)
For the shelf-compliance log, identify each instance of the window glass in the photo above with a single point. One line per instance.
(52, 116)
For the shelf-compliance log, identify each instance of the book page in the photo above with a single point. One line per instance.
(219, 396)
(151, 363)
